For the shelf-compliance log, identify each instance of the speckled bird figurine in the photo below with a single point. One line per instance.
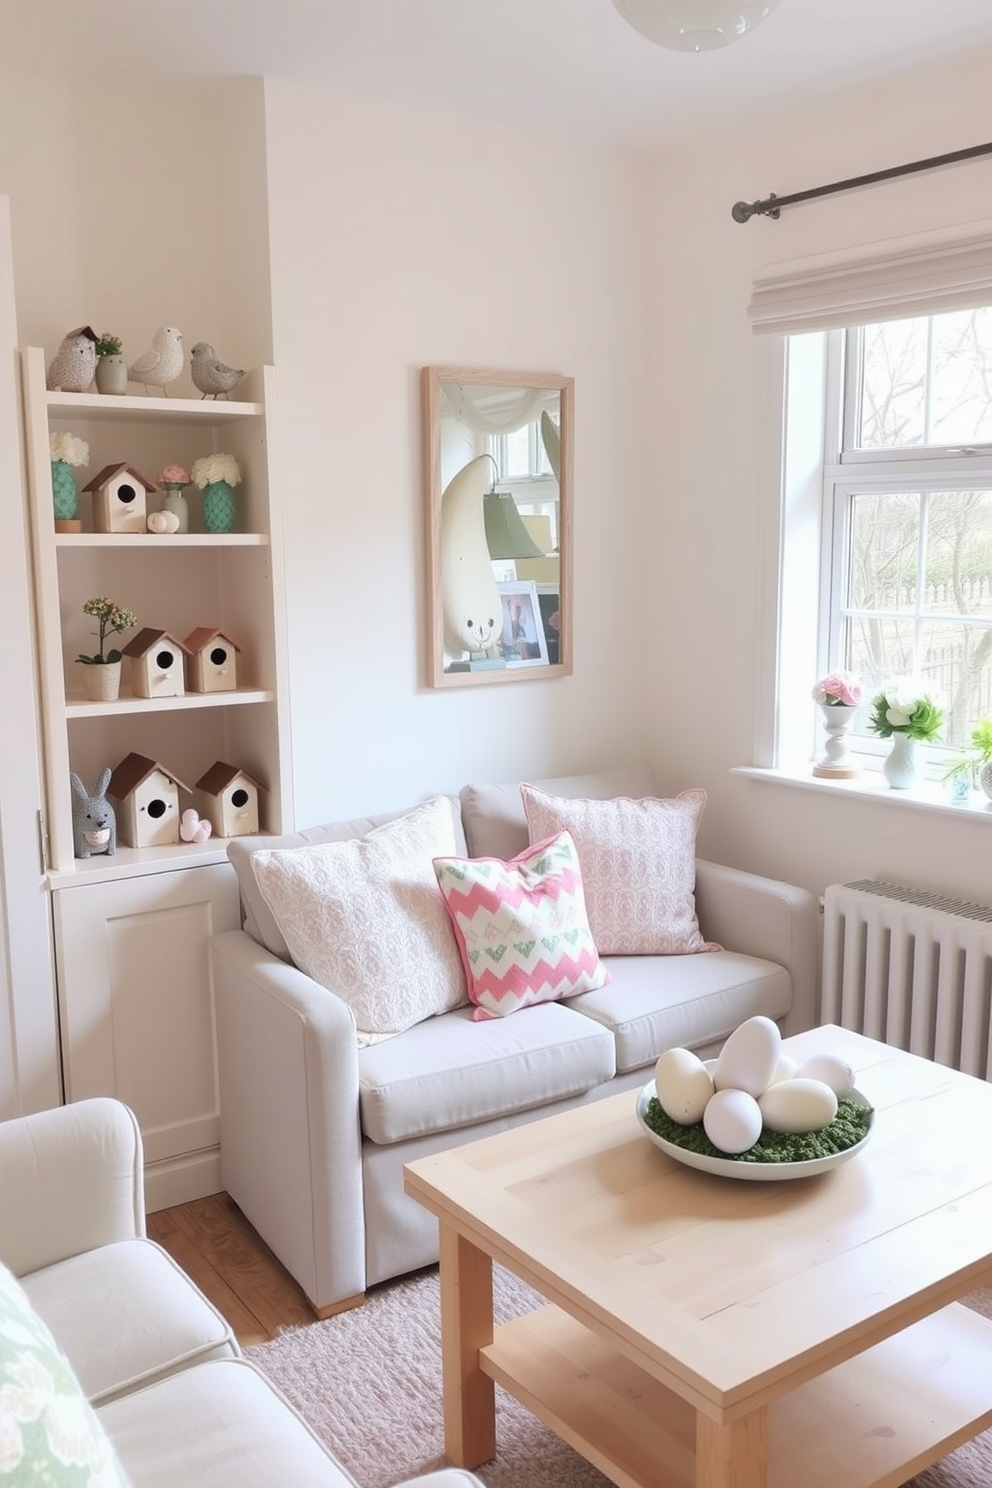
(162, 364)
(72, 368)
(212, 376)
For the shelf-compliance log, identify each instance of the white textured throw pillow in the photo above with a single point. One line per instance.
(638, 861)
(365, 918)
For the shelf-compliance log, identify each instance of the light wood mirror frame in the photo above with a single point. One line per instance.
(457, 483)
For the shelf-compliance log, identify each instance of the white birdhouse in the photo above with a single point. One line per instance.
(228, 798)
(119, 499)
(157, 668)
(213, 661)
(145, 798)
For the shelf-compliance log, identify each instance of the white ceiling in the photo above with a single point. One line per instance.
(569, 65)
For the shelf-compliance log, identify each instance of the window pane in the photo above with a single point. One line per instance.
(885, 540)
(961, 377)
(517, 454)
(893, 383)
(926, 381)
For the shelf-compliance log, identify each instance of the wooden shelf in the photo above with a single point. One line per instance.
(161, 540)
(873, 1421)
(104, 406)
(78, 706)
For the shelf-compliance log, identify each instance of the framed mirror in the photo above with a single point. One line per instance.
(498, 499)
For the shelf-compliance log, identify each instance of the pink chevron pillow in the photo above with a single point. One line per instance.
(521, 927)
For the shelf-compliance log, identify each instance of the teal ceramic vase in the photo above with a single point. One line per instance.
(219, 509)
(64, 492)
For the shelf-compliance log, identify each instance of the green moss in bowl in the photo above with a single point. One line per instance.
(848, 1127)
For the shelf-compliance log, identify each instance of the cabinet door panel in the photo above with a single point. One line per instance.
(136, 1001)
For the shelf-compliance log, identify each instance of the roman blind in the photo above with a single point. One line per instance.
(950, 269)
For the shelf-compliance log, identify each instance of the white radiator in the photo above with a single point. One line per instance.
(912, 969)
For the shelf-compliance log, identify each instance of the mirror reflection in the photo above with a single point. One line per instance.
(498, 470)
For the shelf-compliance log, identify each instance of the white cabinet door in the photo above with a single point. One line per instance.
(137, 1016)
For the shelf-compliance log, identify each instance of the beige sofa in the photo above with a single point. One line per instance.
(315, 1131)
(129, 1335)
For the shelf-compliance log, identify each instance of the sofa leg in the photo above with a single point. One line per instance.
(343, 1306)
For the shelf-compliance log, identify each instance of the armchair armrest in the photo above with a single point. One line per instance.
(291, 1147)
(763, 917)
(71, 1180)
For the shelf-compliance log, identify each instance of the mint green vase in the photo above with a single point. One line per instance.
(219, 509)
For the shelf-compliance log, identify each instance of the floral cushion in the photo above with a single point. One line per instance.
(521, 927)
(364, 918)
(638, 863)
(49, 1433)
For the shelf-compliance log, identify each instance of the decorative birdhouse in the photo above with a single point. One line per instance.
(119, 499)
(213, 661)
(228, 798)
(156, 664)
(145, 797)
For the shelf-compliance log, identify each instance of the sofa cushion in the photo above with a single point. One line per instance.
(638, 861)
(259, 922)
(49, 1432)
(521, 927)
(655, 1003)
(366, 920)
(452, 1072)
(493, 815)
(125, 1314)
(217, 1425)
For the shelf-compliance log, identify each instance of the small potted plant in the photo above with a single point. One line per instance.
(216, 476)
(974, 762)
(102, 670)
(111, 368)
(65, 451)
(907, 713)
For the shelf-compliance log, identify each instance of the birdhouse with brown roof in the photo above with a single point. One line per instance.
(157, 667)
(213, 661)
(145, 798)
(120, 498)
(228, 798)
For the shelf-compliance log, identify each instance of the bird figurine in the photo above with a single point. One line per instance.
(73, 366)
(163, 363)
(212, 376)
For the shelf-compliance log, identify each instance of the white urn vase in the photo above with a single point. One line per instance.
(901, 766)
(836, 762)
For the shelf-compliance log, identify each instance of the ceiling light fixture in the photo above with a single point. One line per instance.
(694, 25)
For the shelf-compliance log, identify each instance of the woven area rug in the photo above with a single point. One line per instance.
(369, 1384)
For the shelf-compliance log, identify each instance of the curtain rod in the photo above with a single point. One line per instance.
(770, 206)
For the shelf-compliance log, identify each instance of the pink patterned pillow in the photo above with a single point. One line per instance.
(521, 927)
(638, 865)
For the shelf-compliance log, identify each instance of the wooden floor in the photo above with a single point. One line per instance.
(214, 1243)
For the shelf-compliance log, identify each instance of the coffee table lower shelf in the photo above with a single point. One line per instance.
(872, 1422)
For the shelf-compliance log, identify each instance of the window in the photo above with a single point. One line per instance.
(906, 545)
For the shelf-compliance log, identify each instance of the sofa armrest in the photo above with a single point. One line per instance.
(762, 917)
(71, 1180)
(290, 1144)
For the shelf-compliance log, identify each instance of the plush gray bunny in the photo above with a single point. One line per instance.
(94, 825)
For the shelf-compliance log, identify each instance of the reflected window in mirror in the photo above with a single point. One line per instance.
(498, 469)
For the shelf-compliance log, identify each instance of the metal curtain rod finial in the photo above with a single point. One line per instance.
(770, 206)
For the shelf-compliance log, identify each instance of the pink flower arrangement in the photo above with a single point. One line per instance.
(174, 478)
(839, 689)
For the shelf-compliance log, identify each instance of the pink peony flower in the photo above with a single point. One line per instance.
(175, 475)
(839, 688)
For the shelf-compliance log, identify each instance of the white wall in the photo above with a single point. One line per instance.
(398, 241)
(714, 503)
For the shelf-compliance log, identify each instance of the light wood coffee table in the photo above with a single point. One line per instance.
(713, 1333)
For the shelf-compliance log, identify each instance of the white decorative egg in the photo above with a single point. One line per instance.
(832, 1070)
(732, 1121)
(786, 1069)
(683, 1085)
(797, 1106)
(748, 1059)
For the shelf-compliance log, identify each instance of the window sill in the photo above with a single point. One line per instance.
(928, 795)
